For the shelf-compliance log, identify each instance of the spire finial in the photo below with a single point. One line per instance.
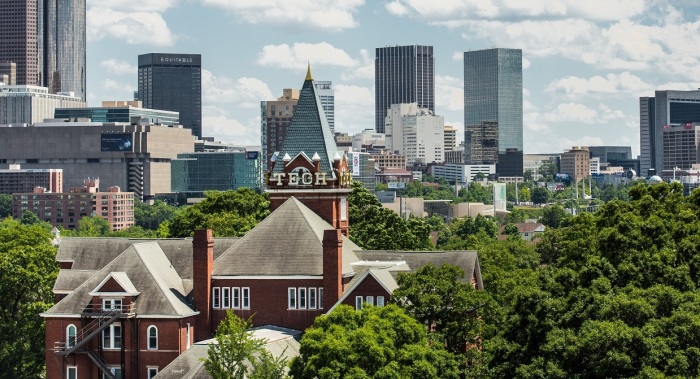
(308, 71)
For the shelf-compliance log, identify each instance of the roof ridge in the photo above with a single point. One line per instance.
(165, 291)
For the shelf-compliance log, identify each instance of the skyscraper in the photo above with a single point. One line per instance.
(173, 82)
(667, 109)
(324, 88)
(46, 40)
(403, 74)
(275, 118)
(493, 93)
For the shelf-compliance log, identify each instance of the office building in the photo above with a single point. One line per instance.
(576, 163)
(363, 169)
(8, 73)
(20, 39)
(135, 157)
(23, 104)
(415, 132)
(64, 46)
(403, 74)
(220, 171)
(343, 141)
(666, 108)
(450, 138)
(66, 209)
(493, 96)
(481, 143)
(368, 140)
(461, 173)
(385, 159)
(455, 156)
(173, 82)
(681, 147)
(16, 180)
(119, 111)
(275, 118)
(324, 88)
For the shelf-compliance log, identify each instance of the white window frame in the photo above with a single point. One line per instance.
(301, 298)
(245, 297)
(216, 298)
(380, 301)
(236, 298)
(109, 304)
(343, 208)
(369, 300)
(74, 369)
(188, 335)
(320, 298)
(112, 334)
(148, 337)
(225, 297)
(313, 299)
(151, 372)
(291, 298)
(358, 302)
(114, 371)
(75, 335)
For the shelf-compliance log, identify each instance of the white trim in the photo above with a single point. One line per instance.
(235, 304)
(148, 371)
(354, 286)
(94, 292)
(291, 295)
(74, 367)
(167, 316)
(225, 297)
(315, 302)
(359, 301)
(216, 297)
(317, 190)
(114, 294)
(267, 277)
(148, 338)
(301, 295)
(75, 335)
(245, 299)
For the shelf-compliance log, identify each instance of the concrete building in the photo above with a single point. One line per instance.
(324, 88)
(576, 163)
(415, 132)
(343, 141)
(66, 209)
(8, 73)
(461, 173)
(21, 39)
(119, 111)
(385, 159)
(276, 116)
(533, 162)
(368, 140)
(22, 104)
(493, 94)
(403, 74)
(16, 180)
(681, 147)
(455, 156)
(450, 134)
(173, 82)
(595, 166)
(666, 108)
(220, 171)
(131, 156)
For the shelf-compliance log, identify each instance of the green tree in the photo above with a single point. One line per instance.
(511, 230)
(371, 343)
(540, 195)
(528, 175)
(151, 216)
(238, 354)
(554, 216)
(28, 270)
(5, 205)
(93, 226)
(547, 170)
(29, 218)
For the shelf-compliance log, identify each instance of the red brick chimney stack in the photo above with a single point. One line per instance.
(202, 266)
(332, 267)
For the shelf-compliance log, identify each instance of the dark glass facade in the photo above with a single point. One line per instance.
(220, 171)
(64, 47)
(493, 91)
(173, 82)
(403, 74)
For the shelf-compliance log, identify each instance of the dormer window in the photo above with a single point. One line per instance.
(110, 304)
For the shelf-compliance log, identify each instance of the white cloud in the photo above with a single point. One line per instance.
(449, 92)
(135, 28)
(458, 56)
(118, 90)
(134, 5)
(333, 15)
(365, 69)
(118, 67)
(354, 108)
(610, 84)
(218, 123)
(567, 112)
(298, 55)
(244, 92)
(526, 63)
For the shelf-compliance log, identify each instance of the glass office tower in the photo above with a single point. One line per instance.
(493, 93)
(173, 82)
(403, 74)
(324, 89)
(64, 47)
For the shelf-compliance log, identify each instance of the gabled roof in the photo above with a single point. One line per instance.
(122, 279)
(162, 292)
(287, 242)
(380, 275)
(68, 280)
(309, 130)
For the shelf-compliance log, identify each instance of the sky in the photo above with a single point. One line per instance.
(585, 63)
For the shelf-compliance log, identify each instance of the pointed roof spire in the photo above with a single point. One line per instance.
(308, 71)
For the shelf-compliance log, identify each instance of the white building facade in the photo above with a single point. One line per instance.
(461, 173)
(415, 132)
(24, 104)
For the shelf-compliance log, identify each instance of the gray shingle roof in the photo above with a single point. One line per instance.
(151, 274)
(288, 242)
(309, 131)
(68, 280)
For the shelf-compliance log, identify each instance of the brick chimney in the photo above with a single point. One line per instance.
(202, 266)
(332, 267)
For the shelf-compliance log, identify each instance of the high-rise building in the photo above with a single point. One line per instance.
(481, 143)
(576, 163)
(666, 109)
(173, 82)
(23, 104)
(493, 93)
(275, 118)
(415, 132)
(403, 74)
(8, 73)
(681, 147)
(324, 89)
(46, 41)
(450, 137)
(16, 179)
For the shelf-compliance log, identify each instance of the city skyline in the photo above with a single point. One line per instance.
(584, 67)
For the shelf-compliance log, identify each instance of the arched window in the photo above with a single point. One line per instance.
(71, 333)
(152, 337)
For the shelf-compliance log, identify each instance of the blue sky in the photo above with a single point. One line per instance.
(585, 62)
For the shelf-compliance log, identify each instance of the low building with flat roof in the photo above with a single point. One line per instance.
(23, 104)
(220, 171)
(119, 111)
(16, 179)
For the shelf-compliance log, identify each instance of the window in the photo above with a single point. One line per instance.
(320, 298)
(302, 298)
(71, 372)
(358, 302)
(380, 301)
(112, 337)
(188, 335)
(246, 298)
(225, 297)
(343, 209)
(236, 298)
(71, 332)
(312, 298)
(370, 300)
(292, 298)
(116, 372)
(152, 372)
(216, 297)
(109, 304)
(152, 337)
